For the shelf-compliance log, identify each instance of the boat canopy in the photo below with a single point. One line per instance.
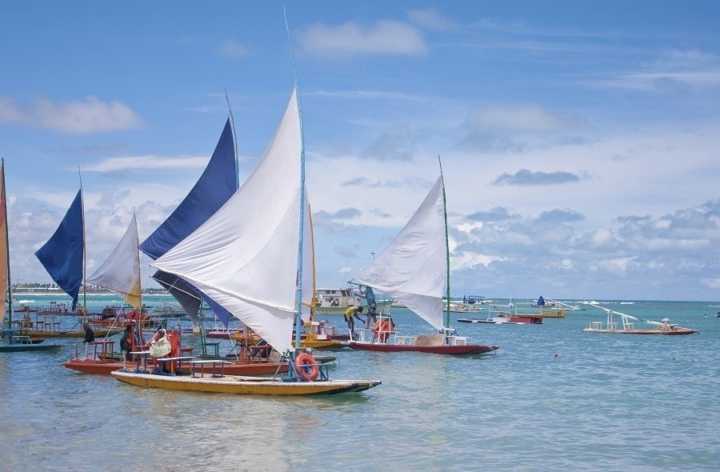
(62, 255)
(216, 184)
(245, 256)
(412, 269)
(121, 270)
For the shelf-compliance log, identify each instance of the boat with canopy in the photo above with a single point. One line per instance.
(415, 271)
(622, 323)
(248, 257)
(12, 340)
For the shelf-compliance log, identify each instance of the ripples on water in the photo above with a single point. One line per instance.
(605, 402)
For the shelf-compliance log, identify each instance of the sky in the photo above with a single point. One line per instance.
(580, 140)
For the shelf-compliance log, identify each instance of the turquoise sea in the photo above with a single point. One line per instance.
(553, 397)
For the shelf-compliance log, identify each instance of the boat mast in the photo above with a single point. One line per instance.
(234, 135)
(447, 250)
(299, 274)
(7, 245)
(82, 211)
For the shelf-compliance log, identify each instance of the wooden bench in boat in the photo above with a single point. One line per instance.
(173, 361)
(213, 363)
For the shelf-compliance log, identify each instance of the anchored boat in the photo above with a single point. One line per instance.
(248, 258)
(622, 323)
(11, 340)
(415, 271)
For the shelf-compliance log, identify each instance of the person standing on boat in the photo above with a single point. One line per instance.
(350, 315)
(89, 337)
(126, 343)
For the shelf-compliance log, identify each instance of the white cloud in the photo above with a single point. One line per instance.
(345, 270)
(233, 49)
(431, 19)
(384, 37)
(711, 283)
(518, 118)
(689, 68)
(146, 162)
(89, 115)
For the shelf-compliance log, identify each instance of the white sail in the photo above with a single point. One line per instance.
(308, 263)
(413, 268)
(121, 270)
(245, 256)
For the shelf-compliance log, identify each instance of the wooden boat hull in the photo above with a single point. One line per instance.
(322, 344)
(243, 385)
(19, 347)
(106, 367)
(644, 332)
(454, 350)
(70, 334)
(553, 313)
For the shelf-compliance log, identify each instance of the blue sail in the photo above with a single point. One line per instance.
(217, 183)
(62, 254)
(211, 191)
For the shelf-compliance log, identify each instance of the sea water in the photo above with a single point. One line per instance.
(552, 397)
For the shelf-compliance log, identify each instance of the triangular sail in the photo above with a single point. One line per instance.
(217, 183)
(121, 270)
(5, 293)
(309, 271)
(245, 256)
(412, 269)
(62, 255)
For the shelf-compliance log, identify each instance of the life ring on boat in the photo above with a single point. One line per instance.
(306, 367)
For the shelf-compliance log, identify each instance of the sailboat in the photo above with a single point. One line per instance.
(218, 182)
(64, 257)
(11, 340)
(248, 257)
(119, 273)
(415, 271)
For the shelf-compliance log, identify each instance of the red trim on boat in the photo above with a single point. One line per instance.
(444, 349)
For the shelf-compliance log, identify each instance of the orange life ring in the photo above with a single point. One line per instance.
(306, 367)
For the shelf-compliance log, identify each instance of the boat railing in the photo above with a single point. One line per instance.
(457, 340)
(403, 339)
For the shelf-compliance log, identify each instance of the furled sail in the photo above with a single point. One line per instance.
(413, 267)
(5, 293)
(62, 255)
(245, 256)
(217, 183)
(121, 270)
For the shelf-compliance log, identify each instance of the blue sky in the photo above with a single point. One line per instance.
(580, 139)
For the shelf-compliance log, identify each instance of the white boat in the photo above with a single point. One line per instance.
(622, 323)
(337, 300)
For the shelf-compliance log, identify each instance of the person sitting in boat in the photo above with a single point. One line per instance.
(159, 346)
(26, 322)
(89, 337)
